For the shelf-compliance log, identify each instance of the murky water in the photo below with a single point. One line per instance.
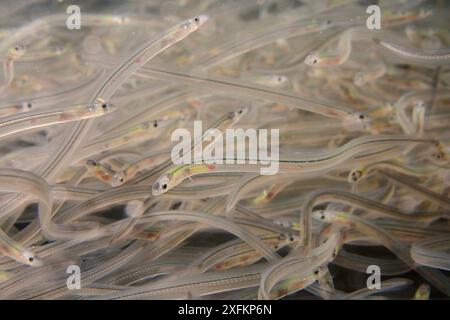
(224, 149)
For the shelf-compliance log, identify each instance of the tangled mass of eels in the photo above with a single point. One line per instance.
(93, 205)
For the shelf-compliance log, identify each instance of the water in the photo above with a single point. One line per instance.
(348, 103)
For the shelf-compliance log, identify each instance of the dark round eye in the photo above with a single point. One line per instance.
(105, 106)
(30, 259)
(121, 179)
(361, 116)
(316, 271)
(315, 61)
(155, 124)
(240, 111)
(164, 186)
(196, 19)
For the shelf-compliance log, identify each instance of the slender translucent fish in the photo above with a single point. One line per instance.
(441, 57)
(113, 81)
(12, 180)
(177, 174)
(12, 54)
(18, 123)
